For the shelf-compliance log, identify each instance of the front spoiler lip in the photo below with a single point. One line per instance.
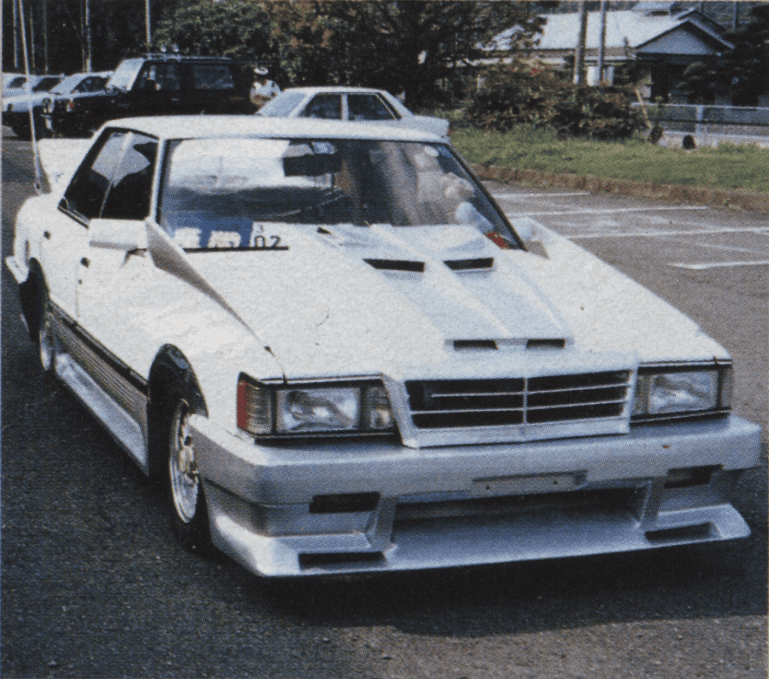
(472, 542)
(640, 460)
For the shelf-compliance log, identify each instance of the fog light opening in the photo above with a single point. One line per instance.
(344, 503)
(690, 476)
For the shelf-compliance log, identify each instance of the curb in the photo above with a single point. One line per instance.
(752, 201)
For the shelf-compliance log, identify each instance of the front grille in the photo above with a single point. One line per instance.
(449, 404)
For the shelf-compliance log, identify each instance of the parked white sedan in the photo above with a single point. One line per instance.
(341, 357)
(355, 104)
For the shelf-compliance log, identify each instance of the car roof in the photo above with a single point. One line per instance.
(206, 126)
(331, 88)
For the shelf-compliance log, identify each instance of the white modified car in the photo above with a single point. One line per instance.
(354, 104)
(342, 358)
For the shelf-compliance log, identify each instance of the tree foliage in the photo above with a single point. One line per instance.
(409, 46)
(745, 69)
(524, 94)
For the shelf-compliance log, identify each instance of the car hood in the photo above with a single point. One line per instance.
(347, 300)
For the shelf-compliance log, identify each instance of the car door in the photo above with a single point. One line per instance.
(157, 90)
(64, 246)
(114, 279)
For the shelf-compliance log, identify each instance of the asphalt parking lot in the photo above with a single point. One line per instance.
(93, 584)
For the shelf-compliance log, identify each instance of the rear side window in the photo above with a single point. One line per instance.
(367, 107)
(326, 106)
(85, 194)
(212, 77)
(129, 197)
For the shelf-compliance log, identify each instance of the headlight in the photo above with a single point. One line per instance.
(671, 391)
(279, 410)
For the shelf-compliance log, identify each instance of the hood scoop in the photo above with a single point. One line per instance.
(477, 264)
(396, 265)
(475, 345)
(546, 344)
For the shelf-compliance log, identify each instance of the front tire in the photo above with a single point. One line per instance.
(189, 517)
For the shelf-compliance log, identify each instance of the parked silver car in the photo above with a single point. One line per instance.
(355, 104)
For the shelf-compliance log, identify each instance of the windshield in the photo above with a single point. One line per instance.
(222, 190)
(125, 74)
(46, 84)
(282, 105)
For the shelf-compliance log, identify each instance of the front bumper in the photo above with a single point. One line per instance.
(468, 505)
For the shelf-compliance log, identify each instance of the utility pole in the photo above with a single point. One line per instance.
(45, 37)
(736, 16)
(147, 24)
(602, 41)
(16, 39)
(32, 37)
(579, 56)
(88, 36)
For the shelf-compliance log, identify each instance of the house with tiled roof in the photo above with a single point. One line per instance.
(656, 35)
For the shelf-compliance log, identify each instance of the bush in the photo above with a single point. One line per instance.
(511, 95)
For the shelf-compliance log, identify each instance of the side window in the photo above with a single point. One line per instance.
(212, 77)
(85, 194)
(90, 85)
(368, 107)
(160, 78)
(327, 106)
(129, 197)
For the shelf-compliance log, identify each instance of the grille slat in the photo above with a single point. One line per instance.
(450, 404)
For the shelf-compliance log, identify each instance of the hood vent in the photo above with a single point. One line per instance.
(470, 264)
(396, 265)
(461, 345)
(546, 344)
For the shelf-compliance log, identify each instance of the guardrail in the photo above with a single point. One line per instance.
(702, 120)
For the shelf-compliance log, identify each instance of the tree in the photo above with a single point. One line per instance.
(744, 71)
(697, 83)
(412, 46)
(407, 46)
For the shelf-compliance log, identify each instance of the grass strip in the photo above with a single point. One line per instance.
(729, 166)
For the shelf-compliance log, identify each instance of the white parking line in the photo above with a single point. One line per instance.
(519, 196)
(605, 212)
(717, 265)
(652, 234)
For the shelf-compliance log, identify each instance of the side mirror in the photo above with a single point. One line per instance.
(525, 227)
(117, 234)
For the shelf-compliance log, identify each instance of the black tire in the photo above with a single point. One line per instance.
(186, 501)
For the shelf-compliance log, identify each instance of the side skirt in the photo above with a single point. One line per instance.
(118, 423)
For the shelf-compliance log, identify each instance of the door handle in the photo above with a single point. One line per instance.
(85, 262)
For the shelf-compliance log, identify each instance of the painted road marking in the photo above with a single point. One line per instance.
(518, 196)
(717, 265)
(651, 234)
(604, 212)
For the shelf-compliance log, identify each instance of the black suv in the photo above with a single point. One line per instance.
(153, 85)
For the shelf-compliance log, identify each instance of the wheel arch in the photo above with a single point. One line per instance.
(171, 374)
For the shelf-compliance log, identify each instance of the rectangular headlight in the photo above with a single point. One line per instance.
(300, 409)
(681, 391)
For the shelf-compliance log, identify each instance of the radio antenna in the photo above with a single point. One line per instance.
(41, 182)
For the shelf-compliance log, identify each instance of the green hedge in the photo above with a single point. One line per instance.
(512, 95)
